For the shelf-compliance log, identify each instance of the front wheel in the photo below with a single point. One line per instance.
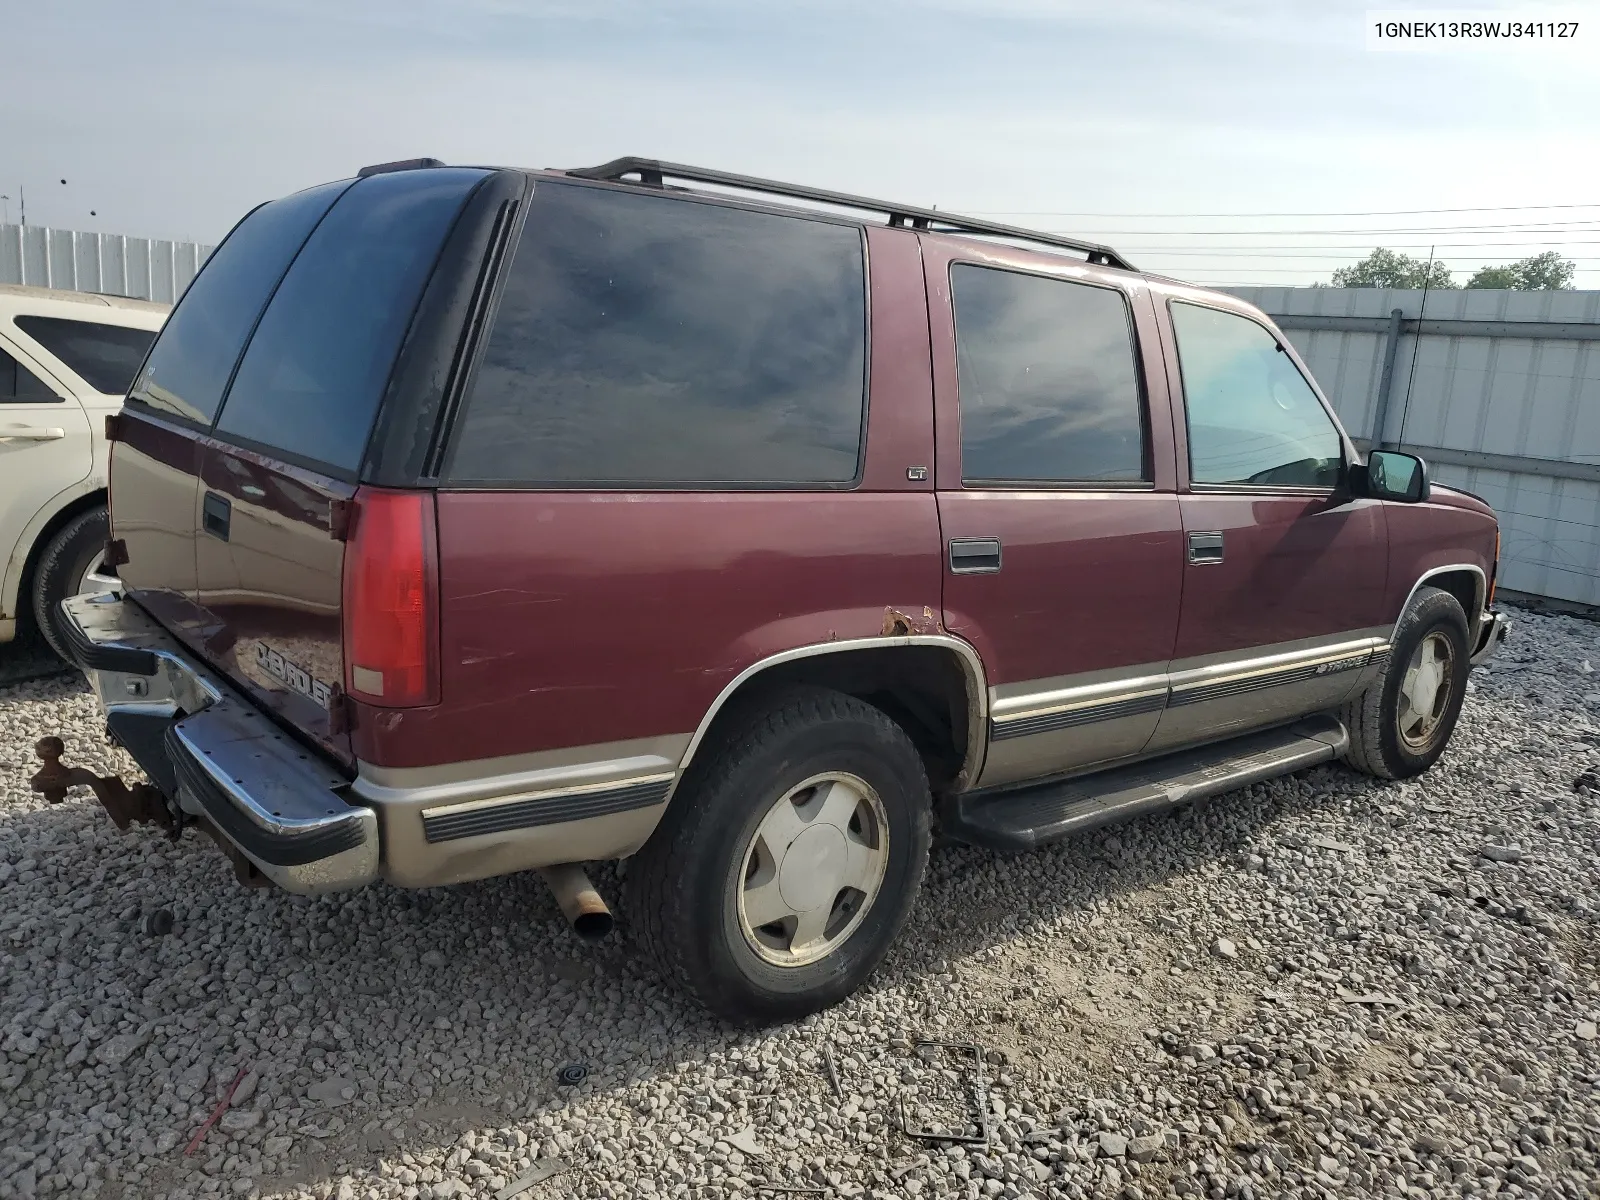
(781, 875)
(1401, 724)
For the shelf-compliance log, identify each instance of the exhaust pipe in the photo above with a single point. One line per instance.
(585, 911)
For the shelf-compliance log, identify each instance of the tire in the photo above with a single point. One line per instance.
(1431, 625)
(67, 557)
(689, 887)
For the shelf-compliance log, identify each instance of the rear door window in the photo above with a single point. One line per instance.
(18, 385)
(310, 382)
(1049, 390)
(646, 341)
(188, 370)
(103, 356)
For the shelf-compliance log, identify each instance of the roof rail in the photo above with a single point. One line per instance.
(654, 174)
(404, 164)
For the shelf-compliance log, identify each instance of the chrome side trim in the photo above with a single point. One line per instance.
(1269, 669)
(1032, 704)
(512, 787)
(1081, 711)
(972, 666)
(501, 814)
(1473, 617)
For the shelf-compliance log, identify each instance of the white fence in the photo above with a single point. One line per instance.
(1498, 391)
(145, 268)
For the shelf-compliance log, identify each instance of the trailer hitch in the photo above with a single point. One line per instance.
(126, 806)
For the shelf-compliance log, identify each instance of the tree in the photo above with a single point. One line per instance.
(1547, 272)
(1391, 269)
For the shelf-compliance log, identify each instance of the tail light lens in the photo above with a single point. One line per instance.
(391, 589)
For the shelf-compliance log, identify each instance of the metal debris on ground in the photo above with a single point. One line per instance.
(158, 923)
(832, 1069)
(216, 1113)
(572, 1074)
(972, 1126)
(543, 1168)
(791, 1189)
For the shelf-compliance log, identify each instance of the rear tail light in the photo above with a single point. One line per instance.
(391, 607)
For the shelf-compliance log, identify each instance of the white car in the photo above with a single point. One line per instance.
(66, 360)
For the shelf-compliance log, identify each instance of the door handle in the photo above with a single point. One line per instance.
(974, 556)
(31, 433)
(1205, 548)
(216, 515)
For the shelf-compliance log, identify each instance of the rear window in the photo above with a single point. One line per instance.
(310, 381)
(644, 340)
(103, 356)
(187, 371)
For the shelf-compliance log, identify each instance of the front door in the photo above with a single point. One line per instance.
(1284, 571)
(1056, 497)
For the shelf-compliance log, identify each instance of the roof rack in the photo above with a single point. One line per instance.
(654, 174)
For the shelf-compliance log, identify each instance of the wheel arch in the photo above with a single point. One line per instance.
(1465, 581)
(908, 677)
(47, 522)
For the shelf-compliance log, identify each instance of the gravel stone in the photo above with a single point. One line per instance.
(1402, 1016)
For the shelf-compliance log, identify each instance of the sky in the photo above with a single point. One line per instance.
(1175, 131)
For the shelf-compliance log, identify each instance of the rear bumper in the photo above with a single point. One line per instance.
(1492, 631)
(278, 803)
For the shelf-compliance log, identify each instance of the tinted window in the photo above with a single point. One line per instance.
(310, 382)
(1253, 419)
(104, 356)
(18, 385)
(1049, 390)
(642, 339)
(200, 343)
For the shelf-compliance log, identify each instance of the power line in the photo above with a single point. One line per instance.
(1546, 227)
(1394, 212)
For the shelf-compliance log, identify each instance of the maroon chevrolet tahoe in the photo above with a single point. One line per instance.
(473, 521)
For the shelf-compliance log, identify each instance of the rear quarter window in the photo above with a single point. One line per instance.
(103, 356)
(311, 379)
(643, 340)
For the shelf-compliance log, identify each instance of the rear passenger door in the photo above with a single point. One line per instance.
(1284, 574)
(1056, 496)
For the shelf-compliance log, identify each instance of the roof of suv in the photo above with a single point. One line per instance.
(18, 297)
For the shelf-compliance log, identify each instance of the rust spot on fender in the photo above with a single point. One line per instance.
(899, 624)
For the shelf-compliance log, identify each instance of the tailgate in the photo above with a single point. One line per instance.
(268, 568)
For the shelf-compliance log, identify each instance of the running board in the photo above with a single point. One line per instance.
(1023, 818)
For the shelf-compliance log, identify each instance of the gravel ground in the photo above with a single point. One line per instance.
(1315, 987)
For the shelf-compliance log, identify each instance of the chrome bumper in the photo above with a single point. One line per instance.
(1492, 631)
(277, 802)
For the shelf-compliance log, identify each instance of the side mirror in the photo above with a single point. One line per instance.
(1392, 475)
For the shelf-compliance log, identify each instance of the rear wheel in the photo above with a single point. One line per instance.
(72, 563)
(1401, 724)
(781, 875)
